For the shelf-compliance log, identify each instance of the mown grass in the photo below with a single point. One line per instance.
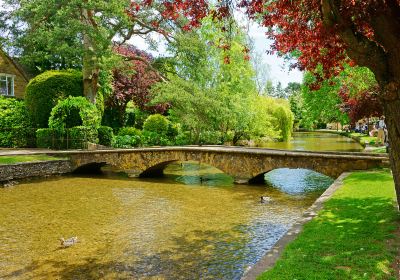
(362, 138)
(354, 237)
(24, 158)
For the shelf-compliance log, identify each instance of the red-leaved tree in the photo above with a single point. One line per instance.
(132, 82)
(364, 105)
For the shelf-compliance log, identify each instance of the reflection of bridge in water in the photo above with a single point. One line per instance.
(243, 164)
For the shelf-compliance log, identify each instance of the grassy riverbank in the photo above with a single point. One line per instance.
(24, 158)
(356, 236)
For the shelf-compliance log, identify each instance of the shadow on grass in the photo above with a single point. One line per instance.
(348, 240)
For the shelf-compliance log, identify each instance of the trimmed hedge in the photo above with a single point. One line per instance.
(45, 90)
(79, 136)
(106, 135)
(48, 138)
(15, 126)
(74, 138)
(72, 112)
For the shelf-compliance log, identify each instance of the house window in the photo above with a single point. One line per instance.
(7, 84)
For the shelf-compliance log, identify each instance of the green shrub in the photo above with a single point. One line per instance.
(156, 123)
(131, 131)
(72, 112)
(140, 117)
(151, 138)
(211, 137)
(79, 136)
(15, 126)
(106, 135)
(183, 138)
(50, 139)
(45, 90)
(126, 141)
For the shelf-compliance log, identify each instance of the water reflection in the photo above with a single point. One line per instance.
(179, 227)
(317, 141)
(297, 181)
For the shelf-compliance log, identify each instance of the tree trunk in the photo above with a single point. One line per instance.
(391, 105)
(90, 68)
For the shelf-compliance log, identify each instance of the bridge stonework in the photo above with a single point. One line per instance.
(243, 164)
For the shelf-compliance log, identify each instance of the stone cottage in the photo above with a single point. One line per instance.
(13, 79)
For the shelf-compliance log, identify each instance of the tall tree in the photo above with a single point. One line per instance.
(80, 32)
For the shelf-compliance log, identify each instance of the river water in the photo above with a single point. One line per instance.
(192, 224)
(317, 141)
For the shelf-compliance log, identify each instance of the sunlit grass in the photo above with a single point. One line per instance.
(25, 158)
(350, 238)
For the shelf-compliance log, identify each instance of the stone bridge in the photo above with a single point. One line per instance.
(243, 164)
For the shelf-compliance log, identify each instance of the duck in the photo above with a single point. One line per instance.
(265, 199)
(69, 242)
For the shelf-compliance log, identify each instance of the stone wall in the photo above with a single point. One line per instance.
(34, 169)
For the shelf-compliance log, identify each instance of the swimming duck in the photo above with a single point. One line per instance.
(265, 199)
(69, 242)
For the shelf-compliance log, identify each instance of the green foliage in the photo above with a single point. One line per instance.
(74, 111)
(156, 123)
(45, 90)
(128, 137)
(131, 131)
(15, 126)
(284, 120)
(50, 138)
(79, 136)
(106, 135)
(216, 101)
(127, 141)
(152, 138)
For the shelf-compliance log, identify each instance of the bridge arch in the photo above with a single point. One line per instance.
(157, 170)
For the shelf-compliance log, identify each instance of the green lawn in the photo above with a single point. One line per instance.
(364, 139)
(352, 238)
(24, 158)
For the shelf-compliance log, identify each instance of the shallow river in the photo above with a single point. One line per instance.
(192, 224)
(317, 141)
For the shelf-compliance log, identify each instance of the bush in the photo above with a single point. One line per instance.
(151, 138)
(131, 131)
(15, 126)
(126, 141)
(45, 90)
(156, 123)
(211, 137)
(79, 136)
(106, 135)
(72, 112)
(50, 139)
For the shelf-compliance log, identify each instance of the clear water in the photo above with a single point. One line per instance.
(192, 224)
(179, 227)
(317, 141)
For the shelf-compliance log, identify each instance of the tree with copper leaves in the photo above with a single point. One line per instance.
(132, 81)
